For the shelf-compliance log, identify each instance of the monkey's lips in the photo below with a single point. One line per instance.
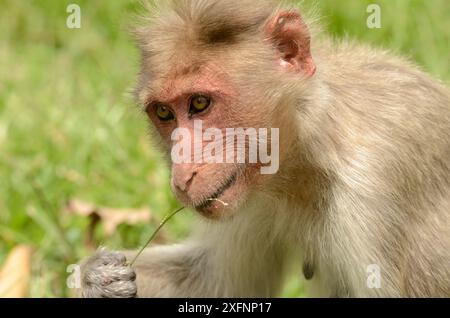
(213, 201)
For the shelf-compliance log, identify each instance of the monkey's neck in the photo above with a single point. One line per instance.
(302, 184)
(302, 180)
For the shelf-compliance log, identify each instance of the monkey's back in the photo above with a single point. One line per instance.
(387, 133)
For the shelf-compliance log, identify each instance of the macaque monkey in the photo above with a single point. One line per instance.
(364, 161)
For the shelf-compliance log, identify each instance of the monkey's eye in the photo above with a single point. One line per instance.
(164, 113)
(198, 104)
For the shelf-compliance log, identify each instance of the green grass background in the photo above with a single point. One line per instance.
(69, 127)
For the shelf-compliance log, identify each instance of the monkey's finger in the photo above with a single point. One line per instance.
(120, 289)
(105, 257)
(113, 273)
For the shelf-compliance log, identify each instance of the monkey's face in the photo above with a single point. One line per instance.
(217, 110)
(204, 125)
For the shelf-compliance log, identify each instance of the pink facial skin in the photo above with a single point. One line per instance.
(215, 190)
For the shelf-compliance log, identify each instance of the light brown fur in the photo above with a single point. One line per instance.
(365, 164)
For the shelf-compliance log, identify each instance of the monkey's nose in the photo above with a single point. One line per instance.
(183, 182)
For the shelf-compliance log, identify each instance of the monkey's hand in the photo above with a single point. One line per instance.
(107, 275)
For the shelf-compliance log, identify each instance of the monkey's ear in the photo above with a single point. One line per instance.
(291, 37)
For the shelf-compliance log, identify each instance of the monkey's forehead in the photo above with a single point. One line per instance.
(185, 79)
(173, 24)
(204, 71)
(182, 37)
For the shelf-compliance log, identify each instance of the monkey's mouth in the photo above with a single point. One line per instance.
(206, 204)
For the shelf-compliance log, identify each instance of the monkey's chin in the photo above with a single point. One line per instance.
(224, 203)
(222, 207)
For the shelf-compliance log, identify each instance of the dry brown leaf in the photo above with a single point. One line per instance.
(15, 273)
(110, 218)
